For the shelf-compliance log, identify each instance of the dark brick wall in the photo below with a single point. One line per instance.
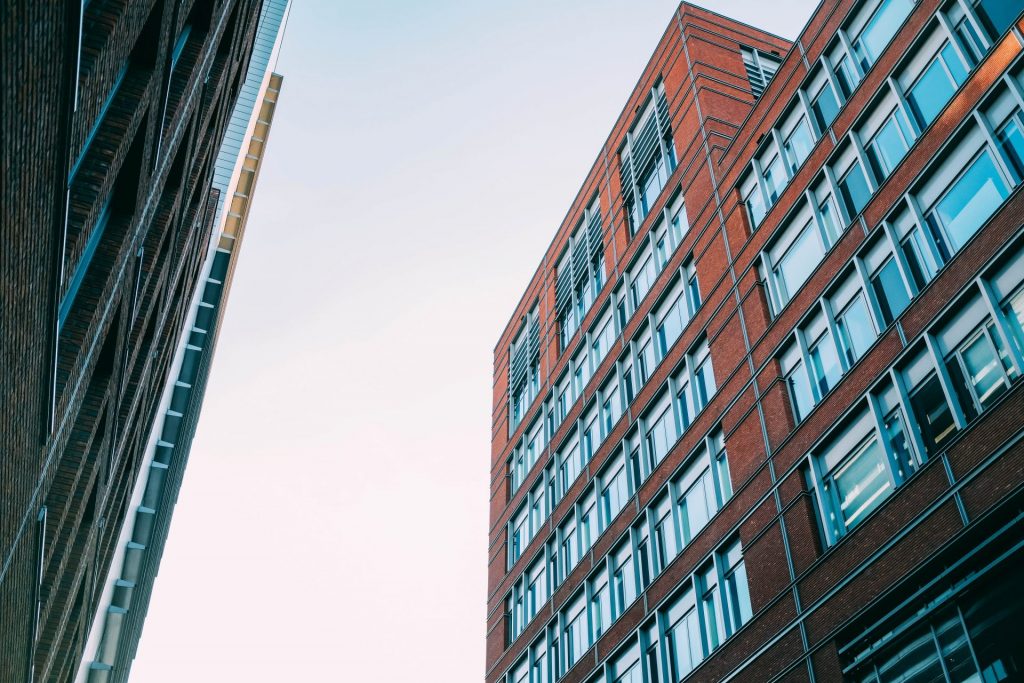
(143, 144)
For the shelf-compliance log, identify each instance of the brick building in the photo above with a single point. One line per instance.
(759, 414)
(132, 133)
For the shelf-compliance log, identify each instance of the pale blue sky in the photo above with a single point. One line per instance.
(332, 525)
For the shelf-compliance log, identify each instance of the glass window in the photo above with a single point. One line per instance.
(614, 490)
(1011, 143)
(798, 262)
(682, 636)
(652, 181)
(890, 290)
(661, 434)
(734, 579)
(847, 77)
(824, 107)
(936, 85)
(711, 606)
(982, 367)
(600, 605)
(641, 279)
(1014, 310)
(831, 224)
(968, 203)
(664, 533)
(861, 482)
(856, 331)
(754, 201)
(853, 188)
(774, 178)
(996, 15)
(645, 565)
(623, 578)
(798, 145)
(887, 148)
(576, 636)
(825, 362)
(646, 359)
(931, 411)
(703, 377)
(800, 391)
(697, 503)
(880, 29)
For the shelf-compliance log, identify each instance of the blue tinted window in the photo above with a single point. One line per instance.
(889, 145)
(936, 85)
(880, 29)
(854, 190)
(825, 107)
(970, 202)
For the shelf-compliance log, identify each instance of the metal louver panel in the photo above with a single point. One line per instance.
(595, 233)
(626, 176)
(563, 289)
(661, 112)
(533, 353)
(517, 369)
(645, 144)
(580, 256)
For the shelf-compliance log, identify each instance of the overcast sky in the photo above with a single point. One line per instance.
(332, 525)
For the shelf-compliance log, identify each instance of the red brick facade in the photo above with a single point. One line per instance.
(806, 596)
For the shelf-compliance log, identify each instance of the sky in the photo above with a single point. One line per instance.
(332, 524)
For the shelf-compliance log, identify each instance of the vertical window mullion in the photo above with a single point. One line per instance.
(805, 107)
(851, 56)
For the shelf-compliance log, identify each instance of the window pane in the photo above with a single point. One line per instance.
(825, 107)
(930, 94)
(798, 145)
(890, 291)
(800, 392)
(984, 371)
(862, 483)
(1011, 141)
(774, 179)
(830, 222)
(1014, 310)
(798, 262)
(887, 148)
(970, 202)
(755, 205)
(854, 189)
(898, 442)
(932, 413)
(825, 362)
(856, 331)
(880, 30)
(997, 15)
